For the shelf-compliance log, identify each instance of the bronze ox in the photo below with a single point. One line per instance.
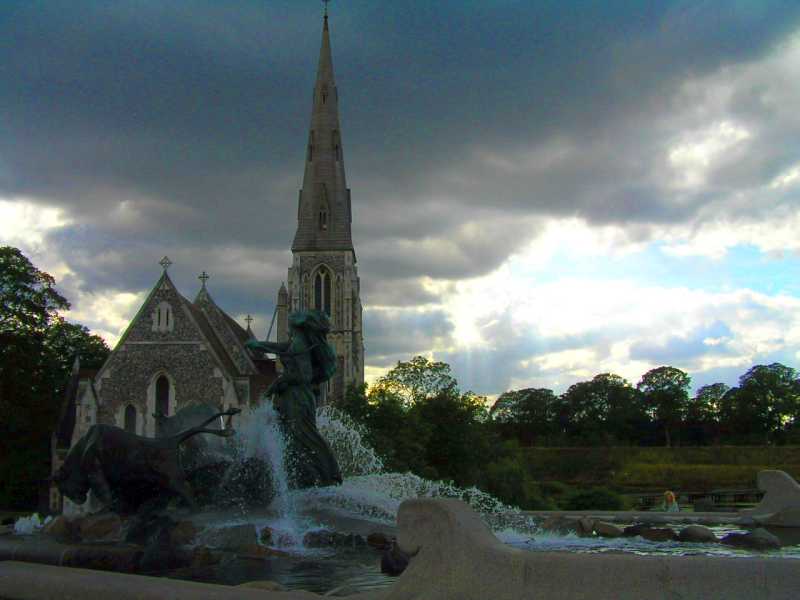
(125, 471)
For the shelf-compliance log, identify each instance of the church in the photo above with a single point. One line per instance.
(176, 351)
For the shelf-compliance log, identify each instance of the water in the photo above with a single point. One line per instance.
(369, 499)
(551, 542)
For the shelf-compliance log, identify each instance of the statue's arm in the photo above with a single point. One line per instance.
(272, 347)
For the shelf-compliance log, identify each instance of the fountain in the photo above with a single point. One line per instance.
(297, 497)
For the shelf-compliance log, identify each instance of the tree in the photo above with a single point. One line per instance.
(606, 408)
(64, 341)
(526, 414)
(37, 348)
(773, 394)
(703, 413)
(666, 395)
(418, 379)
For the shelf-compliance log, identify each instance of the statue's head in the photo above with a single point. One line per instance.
(313, 321)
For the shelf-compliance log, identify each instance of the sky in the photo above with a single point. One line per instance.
(542, 190)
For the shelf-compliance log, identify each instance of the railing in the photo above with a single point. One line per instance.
(713, 501)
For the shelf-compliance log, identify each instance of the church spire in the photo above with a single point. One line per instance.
(323, 216)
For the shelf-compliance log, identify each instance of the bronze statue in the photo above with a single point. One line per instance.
(307, 360)
(129, 473)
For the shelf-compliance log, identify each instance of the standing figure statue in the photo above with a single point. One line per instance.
(307, 360)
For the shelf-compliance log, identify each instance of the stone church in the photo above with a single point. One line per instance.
(177, 352)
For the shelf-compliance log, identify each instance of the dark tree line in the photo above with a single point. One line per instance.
(763, 409)
(37, 350)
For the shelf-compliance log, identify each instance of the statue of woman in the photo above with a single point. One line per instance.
(307, 360)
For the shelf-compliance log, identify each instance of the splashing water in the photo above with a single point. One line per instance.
(346, 439)
(371, 493)
(30, 525)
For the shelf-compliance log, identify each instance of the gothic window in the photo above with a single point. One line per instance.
(324, 94)
(162, 395)
(130, 418)
(322, 291)
(163, 319)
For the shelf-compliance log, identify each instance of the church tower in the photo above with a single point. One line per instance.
(323, 274)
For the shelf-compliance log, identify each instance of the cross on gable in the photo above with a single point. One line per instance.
(325, 2)
(165, 263)
(204, 277)
(248, 319)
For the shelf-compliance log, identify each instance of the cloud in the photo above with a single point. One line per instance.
(507, 161)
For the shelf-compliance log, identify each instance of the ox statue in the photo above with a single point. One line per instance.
(129, 473)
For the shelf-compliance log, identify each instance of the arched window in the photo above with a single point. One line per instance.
(163, 319)
(324, 94)
(311, 147)
(130, 418)
(162, 396)
(322, 291)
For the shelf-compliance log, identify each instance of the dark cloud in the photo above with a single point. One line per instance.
(399, 334)
(179, 128)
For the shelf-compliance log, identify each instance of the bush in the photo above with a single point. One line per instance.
(696, 478)
(597, 498)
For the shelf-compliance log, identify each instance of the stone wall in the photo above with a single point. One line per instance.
(131, 369)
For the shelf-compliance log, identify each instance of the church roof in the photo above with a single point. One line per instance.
(220, 331)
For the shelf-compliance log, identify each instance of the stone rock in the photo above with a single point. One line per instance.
(259, 551)
(697, 534)
(758, 539)
(60, 529)
(103, 527)
(394, 561)
(634, 530)
(203, 557)
(607, 530)
(270, 586)
(265, 537)
(585, 527)
(558, 524)
(229, 538)
(659, 534)
(326, 538)
(379, 540)
(652, 534)
(183, 533)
